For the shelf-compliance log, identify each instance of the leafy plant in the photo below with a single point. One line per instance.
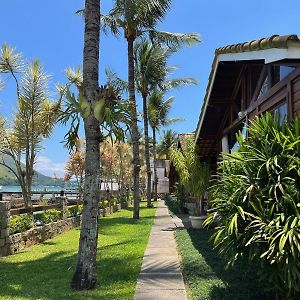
(33, 121)
(19, 224)
(256, 203)
(194, 176)
(76, 210)
(49, 216)
(103, 204)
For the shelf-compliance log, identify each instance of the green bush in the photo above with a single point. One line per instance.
(114, 201)
(75, 210)
(80, 209)
(72, 211)
(103, 204)
(257, 203)
(49, 216)
(19, 224)
(194, 176)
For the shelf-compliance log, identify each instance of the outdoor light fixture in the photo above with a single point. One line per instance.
(242, 115)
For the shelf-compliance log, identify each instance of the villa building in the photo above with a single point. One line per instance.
(162, 177)
(247, 79)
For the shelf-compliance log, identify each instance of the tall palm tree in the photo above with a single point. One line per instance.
(135, 18)
(159, 110)
(152, 70)
(149, 71)
(168, 140)
(85, 274)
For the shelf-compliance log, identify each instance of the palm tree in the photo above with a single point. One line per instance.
(85, 274)
(159, 110)
(135, 18)
(167, 142)
(152, 70)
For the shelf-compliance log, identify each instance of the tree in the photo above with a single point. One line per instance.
(159, 110)
(152, 71)
(124, 166)
(85, 274)
(75, 167)
(34, 119)
(135, 18)
(167, 142)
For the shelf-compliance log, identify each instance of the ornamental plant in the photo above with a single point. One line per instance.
(19, 224)
(256, 203)
(194, 176)
(49, 216)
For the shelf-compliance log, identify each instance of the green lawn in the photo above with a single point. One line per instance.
(44, 271)
(205, 275)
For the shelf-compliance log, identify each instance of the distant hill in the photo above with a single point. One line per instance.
(7, 177)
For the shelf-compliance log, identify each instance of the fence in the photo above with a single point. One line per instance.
(13, 243)
(16, 200)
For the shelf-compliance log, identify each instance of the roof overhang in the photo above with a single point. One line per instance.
(291, 51)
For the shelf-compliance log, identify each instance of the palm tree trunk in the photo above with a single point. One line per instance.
(147, 152)
(154, 163)
(134, 130)
(85, 274)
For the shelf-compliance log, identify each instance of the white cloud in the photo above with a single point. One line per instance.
(47, 167)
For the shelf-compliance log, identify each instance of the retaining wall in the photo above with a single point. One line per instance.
(10, 244)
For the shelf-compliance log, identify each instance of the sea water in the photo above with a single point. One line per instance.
(37, 188)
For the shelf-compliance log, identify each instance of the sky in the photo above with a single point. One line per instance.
(50, 31)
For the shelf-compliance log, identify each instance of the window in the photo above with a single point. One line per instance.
(285, 71)
(264, 87)
(281, 111)
(280, 72)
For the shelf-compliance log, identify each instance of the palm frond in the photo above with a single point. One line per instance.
(10, 60)
(178, 82)
(173, 121)
(75, 76)
(174, 41)
(152, 11)
(119, 85)
(1, 85)
(111, 23)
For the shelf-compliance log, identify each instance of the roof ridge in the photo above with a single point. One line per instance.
(274, 41)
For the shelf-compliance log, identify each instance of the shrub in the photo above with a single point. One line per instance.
(257, 203)
(103, 204)
(194, 176)
(49, 216)
(80, 209)
(75, 210)
(19, 224)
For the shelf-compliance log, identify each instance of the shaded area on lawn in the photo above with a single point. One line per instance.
(204, 271)
(44, 271)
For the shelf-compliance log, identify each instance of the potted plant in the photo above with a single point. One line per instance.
(195, 177)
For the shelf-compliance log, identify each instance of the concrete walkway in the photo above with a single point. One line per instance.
(161, 277)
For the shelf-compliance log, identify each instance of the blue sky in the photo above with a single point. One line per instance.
(50, 31)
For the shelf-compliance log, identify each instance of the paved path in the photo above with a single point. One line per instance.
(161, 277)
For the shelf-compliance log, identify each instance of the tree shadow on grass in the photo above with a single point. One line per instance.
(49, 278)
(240, 281)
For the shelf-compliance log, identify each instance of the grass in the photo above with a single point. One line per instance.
(205, 275)
(44, 271)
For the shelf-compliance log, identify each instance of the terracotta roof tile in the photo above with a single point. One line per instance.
(274, 41)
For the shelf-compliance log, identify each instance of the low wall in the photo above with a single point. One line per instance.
(10, 244)
(36, 235)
